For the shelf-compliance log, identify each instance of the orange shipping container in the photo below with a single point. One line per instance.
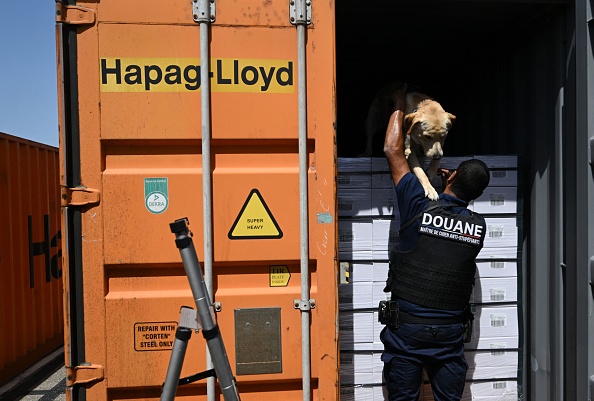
(30, 250)
(255, 175)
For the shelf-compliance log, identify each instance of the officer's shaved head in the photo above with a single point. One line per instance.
(472, 177)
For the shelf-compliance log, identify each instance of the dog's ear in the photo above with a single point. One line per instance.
(409, 120)
(452, 117)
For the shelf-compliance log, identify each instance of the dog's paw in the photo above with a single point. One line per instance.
(431, 193)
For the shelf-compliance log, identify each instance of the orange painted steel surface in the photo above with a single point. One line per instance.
(140, 147)
(30, 250)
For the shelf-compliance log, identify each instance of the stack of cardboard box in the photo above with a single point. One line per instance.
(367, 231)
(368, 227)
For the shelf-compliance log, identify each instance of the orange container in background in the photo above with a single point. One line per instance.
(30, 254)
(131, 152)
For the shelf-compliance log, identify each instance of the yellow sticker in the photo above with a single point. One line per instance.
(154, 336)
(255, 221)
(120, 74)
(279, 276)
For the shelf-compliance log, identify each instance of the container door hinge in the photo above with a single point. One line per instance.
(76, 15)
(300, 12)
(83, 374)
(79, 196)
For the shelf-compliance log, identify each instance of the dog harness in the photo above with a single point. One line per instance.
(439, 271)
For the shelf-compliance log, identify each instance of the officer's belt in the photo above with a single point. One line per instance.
(403, 317)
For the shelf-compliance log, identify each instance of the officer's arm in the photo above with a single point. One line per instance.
(394, 142)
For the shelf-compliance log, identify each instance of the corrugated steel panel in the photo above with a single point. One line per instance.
(31, 314)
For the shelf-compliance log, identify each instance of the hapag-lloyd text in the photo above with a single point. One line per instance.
(184, 74)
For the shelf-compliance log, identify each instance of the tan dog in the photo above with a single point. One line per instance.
(426, 124)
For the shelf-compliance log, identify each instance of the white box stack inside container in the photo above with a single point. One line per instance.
(368, 227)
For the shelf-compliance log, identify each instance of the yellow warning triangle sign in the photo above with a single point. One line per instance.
(255, 220)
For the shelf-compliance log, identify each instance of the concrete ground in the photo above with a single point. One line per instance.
(45, 381)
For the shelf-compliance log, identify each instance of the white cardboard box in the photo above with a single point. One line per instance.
(496, 200)
(499, 161)
(377, 328)
(368, 271)
(492, 343)
(355, 255)
(362, 361)
(496, 268)
(385, 238)
(361, 272)
(384, 203)
(354, 202)
(379, 294)
(495, 321)
(355, 235)
(379, 393)
(382, 180)
(353, 181)
(501, 232)
(447, 162)
(349, 346)
(356, 326)
(497, 253)
(512, 396)
(495, 289)
(357, 393)
(503, 178)
(380, 271)
(379, 164)
(502, 390)
(358, 295)
(498, 388)
(354, 164)
(356, 367)
(494, 373)
(495, 358)
(492, 366)
(361, 295)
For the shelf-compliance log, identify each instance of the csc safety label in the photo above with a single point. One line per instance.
(184, 74)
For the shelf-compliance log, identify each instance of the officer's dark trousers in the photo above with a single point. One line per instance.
(437, 348)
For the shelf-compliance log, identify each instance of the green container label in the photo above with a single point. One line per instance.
(156, 194)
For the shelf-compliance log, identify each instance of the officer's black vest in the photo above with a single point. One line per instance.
(439, 271)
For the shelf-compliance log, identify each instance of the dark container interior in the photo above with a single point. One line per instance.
(507, 70)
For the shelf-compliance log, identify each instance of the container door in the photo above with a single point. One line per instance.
(579, 216)
(132, 153)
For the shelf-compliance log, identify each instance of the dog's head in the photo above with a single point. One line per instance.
(428, 127)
